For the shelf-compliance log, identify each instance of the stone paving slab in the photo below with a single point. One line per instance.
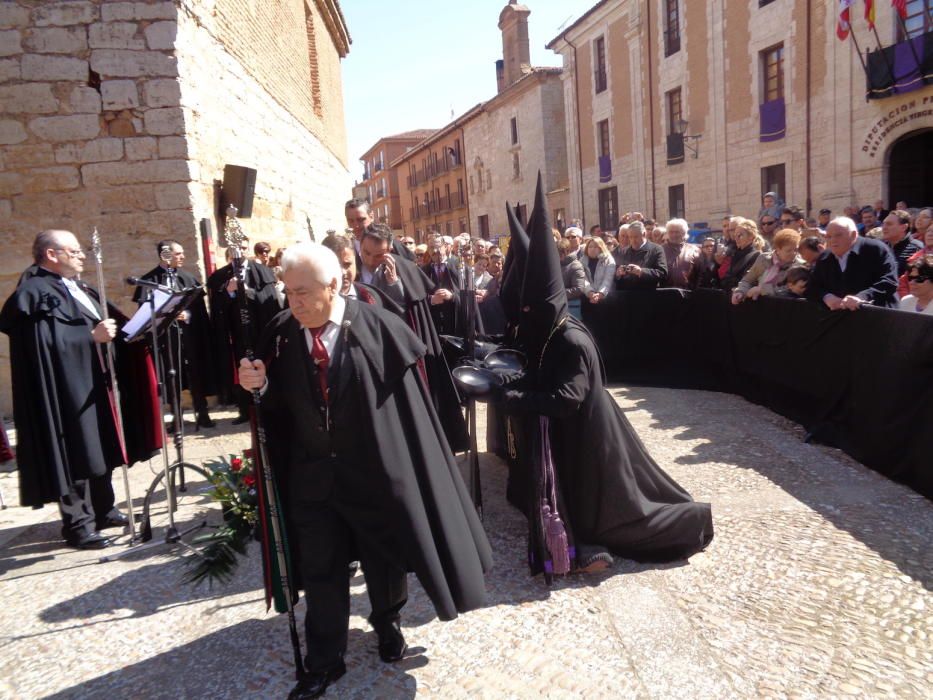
(816, 585)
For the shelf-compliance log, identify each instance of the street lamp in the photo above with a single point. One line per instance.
(681, 130)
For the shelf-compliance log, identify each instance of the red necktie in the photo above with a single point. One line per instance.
(320, 357)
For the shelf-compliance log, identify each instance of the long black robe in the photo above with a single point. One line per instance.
(441, 386)
(228, 338)
(65, 424)
(614, 493)
(197, 342)
(412, 505)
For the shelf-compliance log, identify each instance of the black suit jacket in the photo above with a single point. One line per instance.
(652, 261)
(870, 274)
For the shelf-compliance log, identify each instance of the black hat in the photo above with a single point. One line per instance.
(513, 269)
(826, 211)
(544, 297)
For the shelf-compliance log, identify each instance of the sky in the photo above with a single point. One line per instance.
(411, 63)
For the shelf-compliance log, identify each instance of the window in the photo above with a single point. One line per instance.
(459, 192)
(472, 190)
(674, 111)
(675, 200)
(762, 3)
(602, 137)
(772, 72)
(489, 179)
(455, 153)
(599, 61)
(514, 127)
(671, 27)
(772, 180)
(608, 209)
(918, 19)
(484, 226)
(464, 227)
(521, 211)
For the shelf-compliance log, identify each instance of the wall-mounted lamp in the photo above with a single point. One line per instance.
(681, 129)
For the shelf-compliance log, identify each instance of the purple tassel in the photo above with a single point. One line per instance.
(555, 539)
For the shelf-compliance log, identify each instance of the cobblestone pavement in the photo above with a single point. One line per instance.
(816, 585)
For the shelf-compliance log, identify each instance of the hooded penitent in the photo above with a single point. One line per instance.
(513, 271)
(543, 297)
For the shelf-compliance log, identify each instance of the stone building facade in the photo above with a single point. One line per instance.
(380, 180)
(697, 108)
(122, 115)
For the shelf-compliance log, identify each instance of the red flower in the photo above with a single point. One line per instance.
(249, 481)
(248, 454)
(236, 464)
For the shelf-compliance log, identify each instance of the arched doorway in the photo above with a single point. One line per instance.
(910, 170)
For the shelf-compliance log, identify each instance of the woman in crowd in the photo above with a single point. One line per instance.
(706, 269)
(574, 277)
(768, 272)
(921, 223)
(748, 245)
(920, 278)
(927, 239)
(600, 269)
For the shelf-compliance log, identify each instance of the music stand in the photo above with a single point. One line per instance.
(153, 318)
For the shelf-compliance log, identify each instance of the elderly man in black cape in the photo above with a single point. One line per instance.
(406, 285)
(263, 304)
(67, 437)
(188, 338)
(360, 455)
(612, 496)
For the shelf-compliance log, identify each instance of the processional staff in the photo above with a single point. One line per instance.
(105, 355)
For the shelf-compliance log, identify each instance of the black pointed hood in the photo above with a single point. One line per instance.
(544, 298)
(513, 270)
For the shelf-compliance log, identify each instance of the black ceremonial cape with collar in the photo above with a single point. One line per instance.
(426, 520)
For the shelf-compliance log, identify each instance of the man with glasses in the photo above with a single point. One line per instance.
(793, 218)
(769, 226)
(67, 440)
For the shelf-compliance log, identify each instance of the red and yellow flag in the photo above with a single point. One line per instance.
(842, 24)
(901, 7)
(870, 13)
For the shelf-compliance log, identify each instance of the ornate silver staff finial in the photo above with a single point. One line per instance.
(96, 248)
(233, 232)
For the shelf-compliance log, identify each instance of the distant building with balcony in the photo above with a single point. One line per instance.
(380, 185)
(432, 182)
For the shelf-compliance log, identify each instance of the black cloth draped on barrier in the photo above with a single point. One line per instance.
(861, 381)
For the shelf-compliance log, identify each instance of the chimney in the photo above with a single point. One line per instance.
(513, 23)
(500, 75)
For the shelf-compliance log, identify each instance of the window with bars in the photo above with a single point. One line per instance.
(674, 110)
(671, 27)
(608, 208)
(772, 71)
(599, 61)
(676, 201)
(602, 136)
(918, 20)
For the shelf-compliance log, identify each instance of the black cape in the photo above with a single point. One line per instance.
(229, 341)
(614, 493)
(197, 337)
(423, 518)
(441, 386)
(65, 425)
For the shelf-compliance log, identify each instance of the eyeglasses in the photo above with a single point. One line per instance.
(767, 223)
(918, 278)
(80, 252)
(787, 221)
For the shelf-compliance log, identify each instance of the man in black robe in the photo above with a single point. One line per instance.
(402, 282)
(359, 218)
(259, 282)
(359, 454)
(189, 338)
(67, 440)
(611, 494)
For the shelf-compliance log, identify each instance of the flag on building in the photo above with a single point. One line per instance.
(901, 7)
(842, 24)
(870, 13)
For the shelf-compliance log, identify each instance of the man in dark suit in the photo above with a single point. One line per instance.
(895, 231)
(641, 265)
(854, 270)
(359, 218)
(359, 458)
(189, 338)
(445, 280)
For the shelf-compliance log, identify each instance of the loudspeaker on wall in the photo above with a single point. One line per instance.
(238, 188)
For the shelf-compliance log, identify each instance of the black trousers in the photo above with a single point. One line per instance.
(87, 501)
(326, 543)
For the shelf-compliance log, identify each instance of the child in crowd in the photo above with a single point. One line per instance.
(796, 283)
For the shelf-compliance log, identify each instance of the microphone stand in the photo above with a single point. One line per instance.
(235, 236)
(173, 345)
(468, 302)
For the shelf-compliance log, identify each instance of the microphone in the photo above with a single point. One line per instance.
(136, 282)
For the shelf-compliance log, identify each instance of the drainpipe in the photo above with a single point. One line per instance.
(809, 203)
(654, 202)
(466, 189)
(576, 97)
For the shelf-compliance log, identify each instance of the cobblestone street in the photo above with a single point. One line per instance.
(817, 584)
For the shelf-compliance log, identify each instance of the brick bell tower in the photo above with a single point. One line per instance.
(516, 53)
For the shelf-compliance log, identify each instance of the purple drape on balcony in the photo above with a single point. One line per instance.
(605, 168)
(772, 119)
(908, 63)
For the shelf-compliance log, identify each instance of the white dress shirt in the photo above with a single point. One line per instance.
(81, 297)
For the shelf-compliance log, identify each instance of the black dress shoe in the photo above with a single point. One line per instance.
(113, 519)
(392, 645)
(314, 684)
(204, 421)
(93, 540)
(240, 420)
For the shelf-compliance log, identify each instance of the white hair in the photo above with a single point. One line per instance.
(679, 223)
(573, 231)
(636, 226)
(321, 260)
(845, 222)
(447, 240)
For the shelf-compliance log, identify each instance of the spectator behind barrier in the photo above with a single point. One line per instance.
(810, 249)
(642, 264)
(902, 287)
(680, 256)
(795, 286)
(748, 245)
(706, 269)
(895, 231)
(600, 270)
(769, 271)
(574, 277)
(920, 278)
(854, 270)
(920, 223)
